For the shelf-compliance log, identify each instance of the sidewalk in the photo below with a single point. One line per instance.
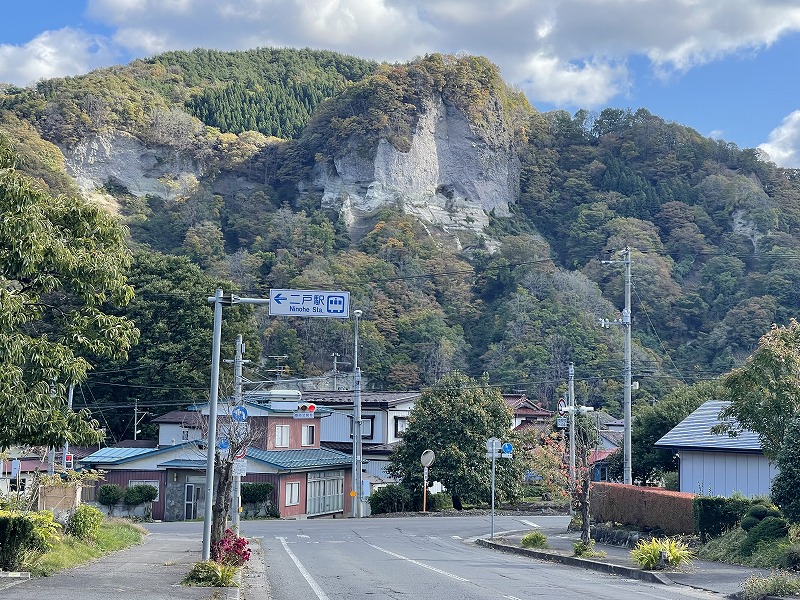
(720, 578)
(151, 570)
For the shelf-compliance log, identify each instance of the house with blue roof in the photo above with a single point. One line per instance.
(307, 480)
(718, 464)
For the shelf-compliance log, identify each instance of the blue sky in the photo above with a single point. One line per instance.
(727, 68)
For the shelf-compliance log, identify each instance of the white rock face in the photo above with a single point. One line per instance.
(121, 157)
(450, 177)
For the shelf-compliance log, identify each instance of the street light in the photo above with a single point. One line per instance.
(356, 424)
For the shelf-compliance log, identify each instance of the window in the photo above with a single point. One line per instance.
(293, 493)
(185, 434)
(400, 425)
(367, 426)
(281, 436)
(308, 435)
(153, 482)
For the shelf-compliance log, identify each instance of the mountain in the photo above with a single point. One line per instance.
(473, 231)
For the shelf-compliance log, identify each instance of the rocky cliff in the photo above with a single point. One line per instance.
(453, 176)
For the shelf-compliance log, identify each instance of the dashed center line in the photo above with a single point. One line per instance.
(419, 564)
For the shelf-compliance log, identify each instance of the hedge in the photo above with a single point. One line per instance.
(644, 508)
(716, 514)
(16, 536)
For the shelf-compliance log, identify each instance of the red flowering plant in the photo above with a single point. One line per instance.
(231, 550)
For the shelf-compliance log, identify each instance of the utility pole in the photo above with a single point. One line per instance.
(357, 485)
(571, 409)
(218, 300)
(237, 395)
(136, 418)
(626, 369)
(66, 443)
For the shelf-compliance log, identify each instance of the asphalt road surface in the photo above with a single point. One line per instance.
(427, 557)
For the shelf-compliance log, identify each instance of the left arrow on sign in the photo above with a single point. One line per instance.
(279, 298)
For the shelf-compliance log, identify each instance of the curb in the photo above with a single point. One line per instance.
(576, 561)
(11, 578)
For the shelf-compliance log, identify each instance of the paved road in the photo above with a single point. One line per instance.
(331, 559)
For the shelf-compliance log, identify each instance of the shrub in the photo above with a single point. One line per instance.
(714, 515)
(139, 494)
(440, 501)
(771, 528)
(643, 508)
(231, 550)
(664, 552)
(757, 511)
(46, 530)
(84, 523)
(749, 521)
(790, 556)
(776, 584)
(16, 536)
(109, 494)
(255, 493)
(210, 573)
(534, 539)
(390, 498)
(586, 550)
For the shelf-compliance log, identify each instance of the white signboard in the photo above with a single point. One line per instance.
(309, 303)
(240, 466)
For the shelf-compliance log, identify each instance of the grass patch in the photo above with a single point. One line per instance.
(114, 534)
(727, 548)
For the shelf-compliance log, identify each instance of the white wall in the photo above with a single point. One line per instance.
(170, 434)
(723, 473)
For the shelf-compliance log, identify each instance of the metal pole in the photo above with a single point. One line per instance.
(494, 459)
(424, 489)
(626, 323)
(51, 451)
(66, 443)
(212, 423)
(571, 400)
(356, 424)
(135, 417)
(237, 394)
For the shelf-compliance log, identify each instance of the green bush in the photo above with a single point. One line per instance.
(771, 528)
(84, 523)
(776, 584)
(109, 494)
(255, 493)
(139, 494)
(390, 498)
(16, 536)
(713, 515)
(534, 539)
(757, 511)
(210, 573)
(46, 530)
(440, 501)
(656, 552)
(790, 556)
(749, 521)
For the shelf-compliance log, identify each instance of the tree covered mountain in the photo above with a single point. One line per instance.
(244, 139)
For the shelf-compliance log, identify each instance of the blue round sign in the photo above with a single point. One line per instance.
(507, 448)
(239, 414)
(224, 444)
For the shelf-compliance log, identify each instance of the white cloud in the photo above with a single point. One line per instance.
(783, 146)
(53, 54)
(566, 52)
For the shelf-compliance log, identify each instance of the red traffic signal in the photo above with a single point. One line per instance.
(307, 407)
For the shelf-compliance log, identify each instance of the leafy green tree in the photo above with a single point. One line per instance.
(787, 481)
(765, 392)
(454, 418)
(173, 359)
(61, 261)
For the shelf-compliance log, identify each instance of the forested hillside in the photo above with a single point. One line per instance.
(714, 229)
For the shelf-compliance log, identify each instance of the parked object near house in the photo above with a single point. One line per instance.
(717, 464)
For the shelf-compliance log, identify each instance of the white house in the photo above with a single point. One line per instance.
(717, 464)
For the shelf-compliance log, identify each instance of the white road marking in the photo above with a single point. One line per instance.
(457, 537)
(530, 524)
(419, 564)
(512, 598)
(303, 536)
(314, 586)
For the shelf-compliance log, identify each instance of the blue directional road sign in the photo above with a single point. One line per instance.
(239, 414)
(309, 303)
(507, 448)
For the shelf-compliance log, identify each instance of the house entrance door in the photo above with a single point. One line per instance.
(194, 500)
